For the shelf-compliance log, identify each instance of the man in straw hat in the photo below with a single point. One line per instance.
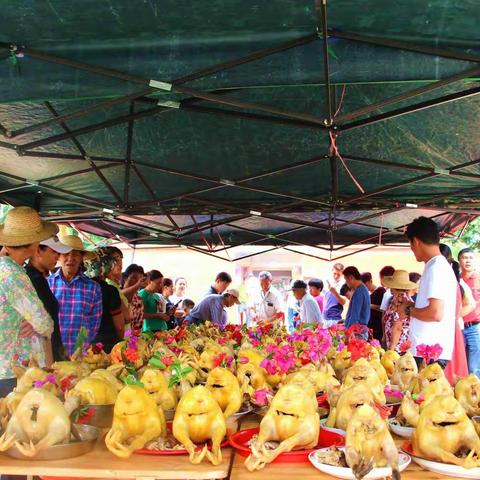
(38, 269)
(79, 297)
(433, 314)
(25, 326)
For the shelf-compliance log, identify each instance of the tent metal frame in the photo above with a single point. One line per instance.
(330, 202)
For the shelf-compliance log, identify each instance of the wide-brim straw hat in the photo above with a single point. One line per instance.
(75, 243)
(400, 281)
(23, 226)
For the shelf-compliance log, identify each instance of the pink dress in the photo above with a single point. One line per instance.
(391, 316)
(458, 366)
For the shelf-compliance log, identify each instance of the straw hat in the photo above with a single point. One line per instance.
(24, 226)
(400, 281)
(75, 243)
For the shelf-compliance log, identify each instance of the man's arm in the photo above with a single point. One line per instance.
(341, 300)
(433, 312)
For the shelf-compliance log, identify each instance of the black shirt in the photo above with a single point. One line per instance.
(112, 305)
(50, 303)
(376, 315)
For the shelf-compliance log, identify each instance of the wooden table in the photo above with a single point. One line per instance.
(100, 463)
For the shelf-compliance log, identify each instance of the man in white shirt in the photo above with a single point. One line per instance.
(309, 309)
(433, 314)
(268, 303)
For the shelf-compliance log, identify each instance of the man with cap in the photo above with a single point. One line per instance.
(79, 297)
(212, 308)
(39, 267)
(25, 326)
(267, 303)
(309, 309)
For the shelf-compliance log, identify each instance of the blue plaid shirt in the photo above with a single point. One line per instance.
(80, 306)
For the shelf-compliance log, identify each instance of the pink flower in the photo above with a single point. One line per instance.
(375, 343)
(170, 339)
(243, 360)
(271, 348)
(260, 397)
(430, 353)
(269, 366)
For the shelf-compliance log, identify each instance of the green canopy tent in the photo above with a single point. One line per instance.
(223, 123)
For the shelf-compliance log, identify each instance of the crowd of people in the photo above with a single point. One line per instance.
(51, 288)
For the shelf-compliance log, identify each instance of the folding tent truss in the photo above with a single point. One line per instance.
(326, 164)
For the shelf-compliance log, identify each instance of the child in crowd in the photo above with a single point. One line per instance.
(187, 306)
(397, 330)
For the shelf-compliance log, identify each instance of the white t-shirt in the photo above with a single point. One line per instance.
(309, 310)
(386, 300)
(268, 304)
(438, 281)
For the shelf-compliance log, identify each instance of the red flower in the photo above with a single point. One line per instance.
(168, 360)
(131, 355)
(85, 418)
(405, 346)
(383, 410)
(67, 383)
(359, 349)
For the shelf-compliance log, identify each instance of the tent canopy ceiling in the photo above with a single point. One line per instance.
(167, 121)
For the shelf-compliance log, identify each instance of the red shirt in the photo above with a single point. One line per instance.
(474, 283)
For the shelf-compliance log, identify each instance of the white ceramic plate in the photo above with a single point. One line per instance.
(345, 472)
(341, 432)
(447, 468)
(400, 430)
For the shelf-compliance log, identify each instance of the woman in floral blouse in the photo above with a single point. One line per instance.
(25, 326)
(397, 330)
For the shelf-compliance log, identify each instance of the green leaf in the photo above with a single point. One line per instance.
(131, 380)
(147, 336)
(174, 379)
(82, 338)
(156, 362)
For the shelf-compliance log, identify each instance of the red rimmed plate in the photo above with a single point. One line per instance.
(240, 439)
(146, 451)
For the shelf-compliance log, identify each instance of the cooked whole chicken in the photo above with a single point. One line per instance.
(156, 384)
(444, 432)
(404, 372)
(40, 421)
(136, 420)
(292, 420)
(467, 392)
(94, 391)
(223, 385)
(199, 418)
(362, 371)
(369, 443)
(389, 358)
(344, 405)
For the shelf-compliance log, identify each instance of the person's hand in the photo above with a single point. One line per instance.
(26, 330)
(142, 283)
(179, 314)
(401, 309)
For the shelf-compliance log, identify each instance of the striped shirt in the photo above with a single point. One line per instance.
(80, 306)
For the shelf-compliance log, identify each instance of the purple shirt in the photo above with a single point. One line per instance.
(80, 304)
